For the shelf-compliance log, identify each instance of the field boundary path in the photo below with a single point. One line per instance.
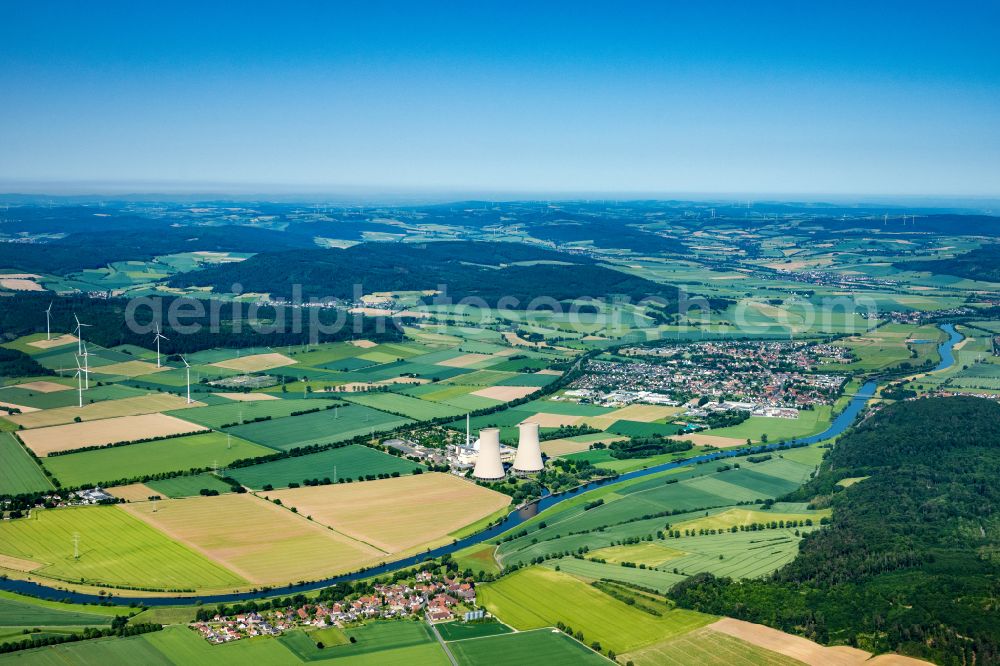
(444, 646)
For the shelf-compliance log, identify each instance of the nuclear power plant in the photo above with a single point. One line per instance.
(489, 467)
(529, 452)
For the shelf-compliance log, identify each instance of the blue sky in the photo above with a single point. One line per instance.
(668, 97)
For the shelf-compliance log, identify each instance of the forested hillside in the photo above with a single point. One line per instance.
(25, 313)
(145, 240)
(490, 271)
(981, 264)
(911, 561)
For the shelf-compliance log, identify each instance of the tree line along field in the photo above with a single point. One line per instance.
(176, 454)
(71, 436)
(326, 426)
(351, 461)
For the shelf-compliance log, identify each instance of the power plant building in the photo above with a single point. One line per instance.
(489, 467)
(529, 451)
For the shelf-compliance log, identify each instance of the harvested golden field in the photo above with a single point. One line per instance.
(713, 440)
(129, 368)
(364, 344)
(256, 362)
(43, 386)
(562, 447)
(133, 492)
(106, 409)
(398, 514)
(18, 563)
(58, 341)
(795, 647)
(464, 361)
(644, 413)
(20, 284)
(24, 409)
(70, 436)
(248, 397)
(262, 542)
(547, 420)
(505, 393)
(513, 338)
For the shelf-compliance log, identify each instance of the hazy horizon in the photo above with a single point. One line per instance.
(850, 100)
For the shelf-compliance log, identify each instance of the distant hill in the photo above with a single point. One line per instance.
(980, 264)
(910, 560)
(96, 249)
(490, 271)
(218, 324)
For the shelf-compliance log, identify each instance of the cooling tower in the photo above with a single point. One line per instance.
(529, 451)
(488, 465)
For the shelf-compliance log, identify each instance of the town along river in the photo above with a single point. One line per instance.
(839, 425)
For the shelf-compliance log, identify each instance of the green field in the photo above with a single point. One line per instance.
(19, 473)
(166, 455)
(402, 641)
(396, 403)
(539, 597)
(640, 429)
(186, 486)
(351, 461)
(114, 549)
(809, 422)
(135, 650)
(743, 554)
(661, 581)
(707, 648)
(698, 488)
(457, 631)
(331, 425)
(543, 646)
(17, 611)
(216, 416)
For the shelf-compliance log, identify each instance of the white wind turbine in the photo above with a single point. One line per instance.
(86, 366)
(187, 374)
(80, 372)
(158, 338)
(48, 322)
(79, 335)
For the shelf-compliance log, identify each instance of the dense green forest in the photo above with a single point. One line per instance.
(911, 560)
(15, 363)
(980, 264)
(148, 239)
(25, 313)
(491, 271)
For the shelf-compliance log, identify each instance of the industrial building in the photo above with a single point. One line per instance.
(489, 467)
(529, 451)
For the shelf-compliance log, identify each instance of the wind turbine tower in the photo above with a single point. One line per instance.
(79, 335)
(80, 372)
(158, 338)
(86, 367)
(187, 376)
(48, 322)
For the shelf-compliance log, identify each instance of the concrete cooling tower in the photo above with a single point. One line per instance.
(529, 452)
(488, 465)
